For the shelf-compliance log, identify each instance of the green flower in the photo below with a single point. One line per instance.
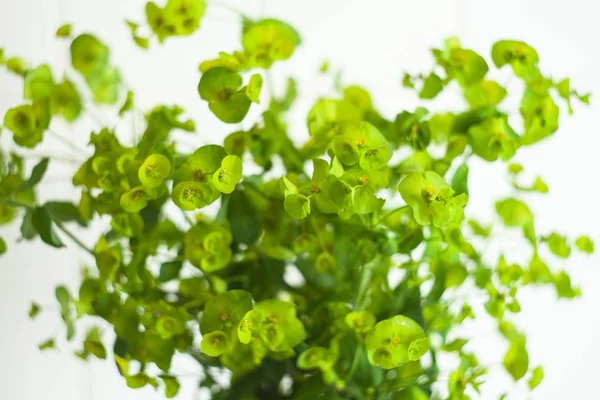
(221, 88)
(269, 40)
(88, 54)
(431, 198)
(540, 116)
(493, 138)
(394, 341)
(275, 323)
(522, 57)
(137, 199)
(224, 311)
(228, 175)
(154, 170)
(190, 195)
(374, 149)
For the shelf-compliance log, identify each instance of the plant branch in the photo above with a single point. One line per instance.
(74, 238)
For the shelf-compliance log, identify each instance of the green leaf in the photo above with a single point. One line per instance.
(37, 173)
(38, 83)
(64, 300)
(171, 386)
(537, 376)
(243, 218)
(516, 360)
(47, 345)
(105, 85)
(460, 179)
(88, 54)
(127, 105)
(3, 246)
(558, 245)
(484, 94)
(297, 205)
(96, 348)
(64, 31)
(169, 270)
(65, 211)
(16, 65)
(41, 220)
(28, 231)
(514, 213)
(432, 86)
(34, 310)
(585, 244)
(254, 87)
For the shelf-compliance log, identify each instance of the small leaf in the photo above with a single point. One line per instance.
(64, 31)
(558, 245)
(169, 270)
(460, 180)
(28, 231)
(432, 86)
(37, 173)
(128, 105)
(47, 345)
(254, 88)
(537, 375)
(516, 360)
(585, 244)
(34, 310)
(65, 211)
(514, 213)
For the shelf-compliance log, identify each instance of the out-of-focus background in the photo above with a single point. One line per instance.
(373, 42)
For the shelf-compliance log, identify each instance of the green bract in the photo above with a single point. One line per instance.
(277, 241)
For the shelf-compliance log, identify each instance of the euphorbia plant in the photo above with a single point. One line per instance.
(286, 283)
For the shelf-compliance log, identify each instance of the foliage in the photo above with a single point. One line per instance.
(366, 195)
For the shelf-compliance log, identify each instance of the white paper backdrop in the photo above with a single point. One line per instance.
(373, 42)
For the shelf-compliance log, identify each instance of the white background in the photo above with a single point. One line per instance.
(373, 42)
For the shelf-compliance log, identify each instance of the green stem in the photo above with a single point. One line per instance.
(365, 279)
(74, 238)
(188, 218)
(67, 142)
(357, 355)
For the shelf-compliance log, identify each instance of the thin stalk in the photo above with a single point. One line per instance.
(59, 224)
(67, 142)
(365, 279)
(357, 355)
(188, 218)
(74, 238)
